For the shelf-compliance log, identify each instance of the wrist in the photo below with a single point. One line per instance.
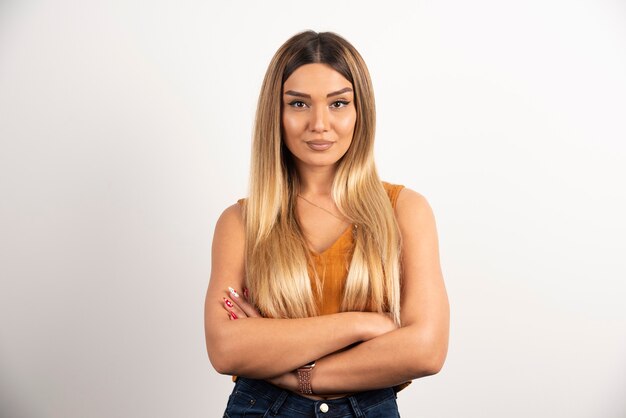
(290, 381)
(368, 324)
(377, 324)
(304, 375)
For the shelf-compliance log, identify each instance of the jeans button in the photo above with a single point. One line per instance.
(324, 408)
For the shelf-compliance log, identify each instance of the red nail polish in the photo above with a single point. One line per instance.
(228, 303)
(232, 315)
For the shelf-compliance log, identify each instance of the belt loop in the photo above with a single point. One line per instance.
(279, 402)
(355, 406)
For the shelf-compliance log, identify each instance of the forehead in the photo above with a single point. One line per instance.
(316, 78)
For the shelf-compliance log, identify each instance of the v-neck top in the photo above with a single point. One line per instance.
(332, 264)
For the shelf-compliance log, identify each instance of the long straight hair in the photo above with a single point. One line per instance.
(277, 257)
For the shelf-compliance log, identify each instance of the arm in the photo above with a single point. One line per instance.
(261, 347)
(418, 348)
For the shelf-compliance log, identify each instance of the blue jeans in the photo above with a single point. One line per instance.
(258, 399)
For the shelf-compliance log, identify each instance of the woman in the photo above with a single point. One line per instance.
(326, 294)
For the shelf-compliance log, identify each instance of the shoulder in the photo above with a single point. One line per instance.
(402, 197)
(413, 210)
(230, 222)
(412, 200)
(409, 205)
(393, 191)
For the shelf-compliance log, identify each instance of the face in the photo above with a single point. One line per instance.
(318, 115)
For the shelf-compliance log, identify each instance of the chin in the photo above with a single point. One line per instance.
(323, 160)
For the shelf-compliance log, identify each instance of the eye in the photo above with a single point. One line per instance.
(298, 104)
(338, 104)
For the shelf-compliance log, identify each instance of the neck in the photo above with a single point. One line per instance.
(316, 181)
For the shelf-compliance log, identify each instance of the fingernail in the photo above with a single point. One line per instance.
(228, 303)
(232, 315)
(233, 292)
(246, 293)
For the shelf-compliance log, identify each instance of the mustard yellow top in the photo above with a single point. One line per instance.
(332, 265)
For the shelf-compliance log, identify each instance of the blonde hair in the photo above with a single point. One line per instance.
(276, 252)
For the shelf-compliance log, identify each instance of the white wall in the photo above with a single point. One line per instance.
(125, 130)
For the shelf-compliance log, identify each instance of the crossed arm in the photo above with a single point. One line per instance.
(270, 349)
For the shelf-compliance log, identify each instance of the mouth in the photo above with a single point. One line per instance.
(319, 145)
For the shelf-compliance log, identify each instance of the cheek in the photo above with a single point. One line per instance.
(291, 125)
(345, 125)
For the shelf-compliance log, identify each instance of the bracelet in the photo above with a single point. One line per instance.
(304, 378)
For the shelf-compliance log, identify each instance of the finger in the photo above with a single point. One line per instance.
(243, 304)
(233, 310)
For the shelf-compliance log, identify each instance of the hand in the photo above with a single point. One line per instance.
(288, 381)
(237, 305)
(377, 324)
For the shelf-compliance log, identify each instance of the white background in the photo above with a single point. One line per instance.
(125, 130)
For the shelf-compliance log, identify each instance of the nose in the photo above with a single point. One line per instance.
(319, 119)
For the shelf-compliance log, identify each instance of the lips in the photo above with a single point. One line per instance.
(319, 145)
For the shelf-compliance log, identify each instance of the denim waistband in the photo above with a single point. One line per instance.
(282, 399)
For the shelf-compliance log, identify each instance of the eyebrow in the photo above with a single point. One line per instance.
(308, 96)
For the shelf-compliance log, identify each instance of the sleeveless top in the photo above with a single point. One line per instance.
(332, 266)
